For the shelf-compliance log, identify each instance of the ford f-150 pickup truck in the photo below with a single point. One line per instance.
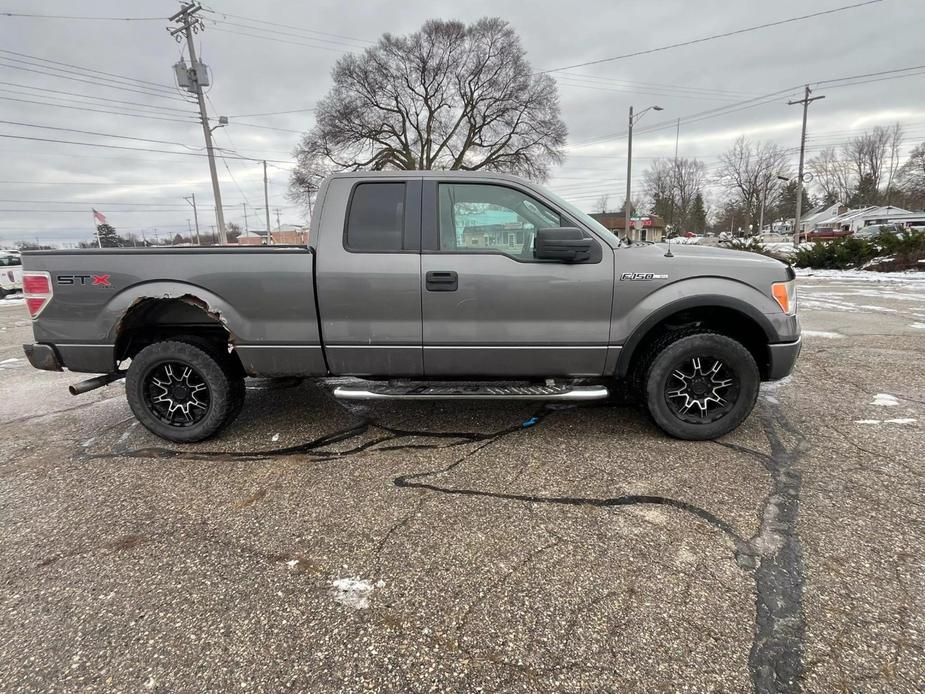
(426, 285)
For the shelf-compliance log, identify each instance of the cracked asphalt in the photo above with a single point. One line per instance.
(484, 546)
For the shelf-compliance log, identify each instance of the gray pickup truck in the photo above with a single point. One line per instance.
(425, 285)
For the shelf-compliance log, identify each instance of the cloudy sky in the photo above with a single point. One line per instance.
(719, 89)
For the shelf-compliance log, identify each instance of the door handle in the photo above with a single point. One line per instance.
(442, 281)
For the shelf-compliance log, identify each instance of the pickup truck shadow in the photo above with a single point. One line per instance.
(772, 555)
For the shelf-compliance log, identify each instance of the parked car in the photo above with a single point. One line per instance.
(869, 233)
(10, 273)
(413, 287)
(827, 234)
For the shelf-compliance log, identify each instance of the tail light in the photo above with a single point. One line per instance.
(36, 287)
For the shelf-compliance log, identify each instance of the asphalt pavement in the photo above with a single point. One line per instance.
(477, 547)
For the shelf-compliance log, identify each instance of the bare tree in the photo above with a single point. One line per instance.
(749, 172)
(672, 185)
(832, 174)
(912, 173)
(894, 161)
(602, 203)
(867, 153)
(448, 96)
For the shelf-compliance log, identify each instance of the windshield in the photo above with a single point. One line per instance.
(583, 217)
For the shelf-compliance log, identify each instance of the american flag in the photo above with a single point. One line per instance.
(98, 216)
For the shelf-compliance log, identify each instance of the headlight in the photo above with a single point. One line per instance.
(785, 293)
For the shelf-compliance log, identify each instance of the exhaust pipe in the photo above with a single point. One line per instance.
(94, 383)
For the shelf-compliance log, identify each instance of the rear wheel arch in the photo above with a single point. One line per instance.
(151, 319)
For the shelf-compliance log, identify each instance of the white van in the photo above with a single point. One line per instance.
(10, 273)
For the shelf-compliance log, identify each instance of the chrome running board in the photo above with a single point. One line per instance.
(464, 391)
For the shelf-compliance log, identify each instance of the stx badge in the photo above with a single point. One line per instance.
(642, 276)
(92, 280)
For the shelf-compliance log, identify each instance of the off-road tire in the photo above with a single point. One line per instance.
(235, 374)
(220, 384)
(673, 348)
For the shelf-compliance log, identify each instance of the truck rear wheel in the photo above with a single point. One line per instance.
(181, 391)
(700, 386)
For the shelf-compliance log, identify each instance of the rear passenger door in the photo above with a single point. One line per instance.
(369, 277)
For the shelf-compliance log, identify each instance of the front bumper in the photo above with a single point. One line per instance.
(782, 358)
(43, 357)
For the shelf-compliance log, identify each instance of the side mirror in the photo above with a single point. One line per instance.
(566, 244)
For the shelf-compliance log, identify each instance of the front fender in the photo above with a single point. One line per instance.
(630, 327)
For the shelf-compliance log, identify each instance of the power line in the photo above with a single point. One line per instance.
(98, 19)
(131, 149)
(98, 110)
(713, 37)
(160, 85)
(754, 102)
(278, 32)
(88, 96)
(271, 113)
(656, 85)
(94, 132)
(276, 40)
(286, 26)
(674, 95)
(95, 81)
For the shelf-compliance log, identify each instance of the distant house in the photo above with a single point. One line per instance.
(853, 220)
(647, 227)
(491, 228)
(287, 234)
(809, 218)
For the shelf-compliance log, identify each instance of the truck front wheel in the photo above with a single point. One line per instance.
(180, 391)
(700, 386)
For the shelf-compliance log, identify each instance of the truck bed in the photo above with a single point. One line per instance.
(263, 296)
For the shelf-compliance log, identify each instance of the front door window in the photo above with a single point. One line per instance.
(481, 218)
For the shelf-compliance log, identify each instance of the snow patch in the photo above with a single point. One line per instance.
(867, 421)
(900, 420)
(864, 275)
(354, 592)
(775, 385)
(13, 363)
(917, 326)
(275, 437)
(822, 333)
(885, 400)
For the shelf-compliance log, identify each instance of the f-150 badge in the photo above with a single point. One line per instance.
(642, 276)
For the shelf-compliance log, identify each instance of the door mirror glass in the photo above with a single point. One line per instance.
(566, 244)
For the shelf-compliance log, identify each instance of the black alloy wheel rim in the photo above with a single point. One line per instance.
(176, 394)
(701, 389)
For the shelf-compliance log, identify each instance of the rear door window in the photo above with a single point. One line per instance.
(376, 219)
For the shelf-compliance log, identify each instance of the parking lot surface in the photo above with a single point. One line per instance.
(491, 546)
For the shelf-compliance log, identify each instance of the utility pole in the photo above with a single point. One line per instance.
(266, 199)
(806, 101)
(277, 219)
(675, 175)
(628, 206)
(197, 76)
(192, 201)
(245, 216)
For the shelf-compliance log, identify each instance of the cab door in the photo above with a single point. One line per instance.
(369, 276)
(488, 307)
